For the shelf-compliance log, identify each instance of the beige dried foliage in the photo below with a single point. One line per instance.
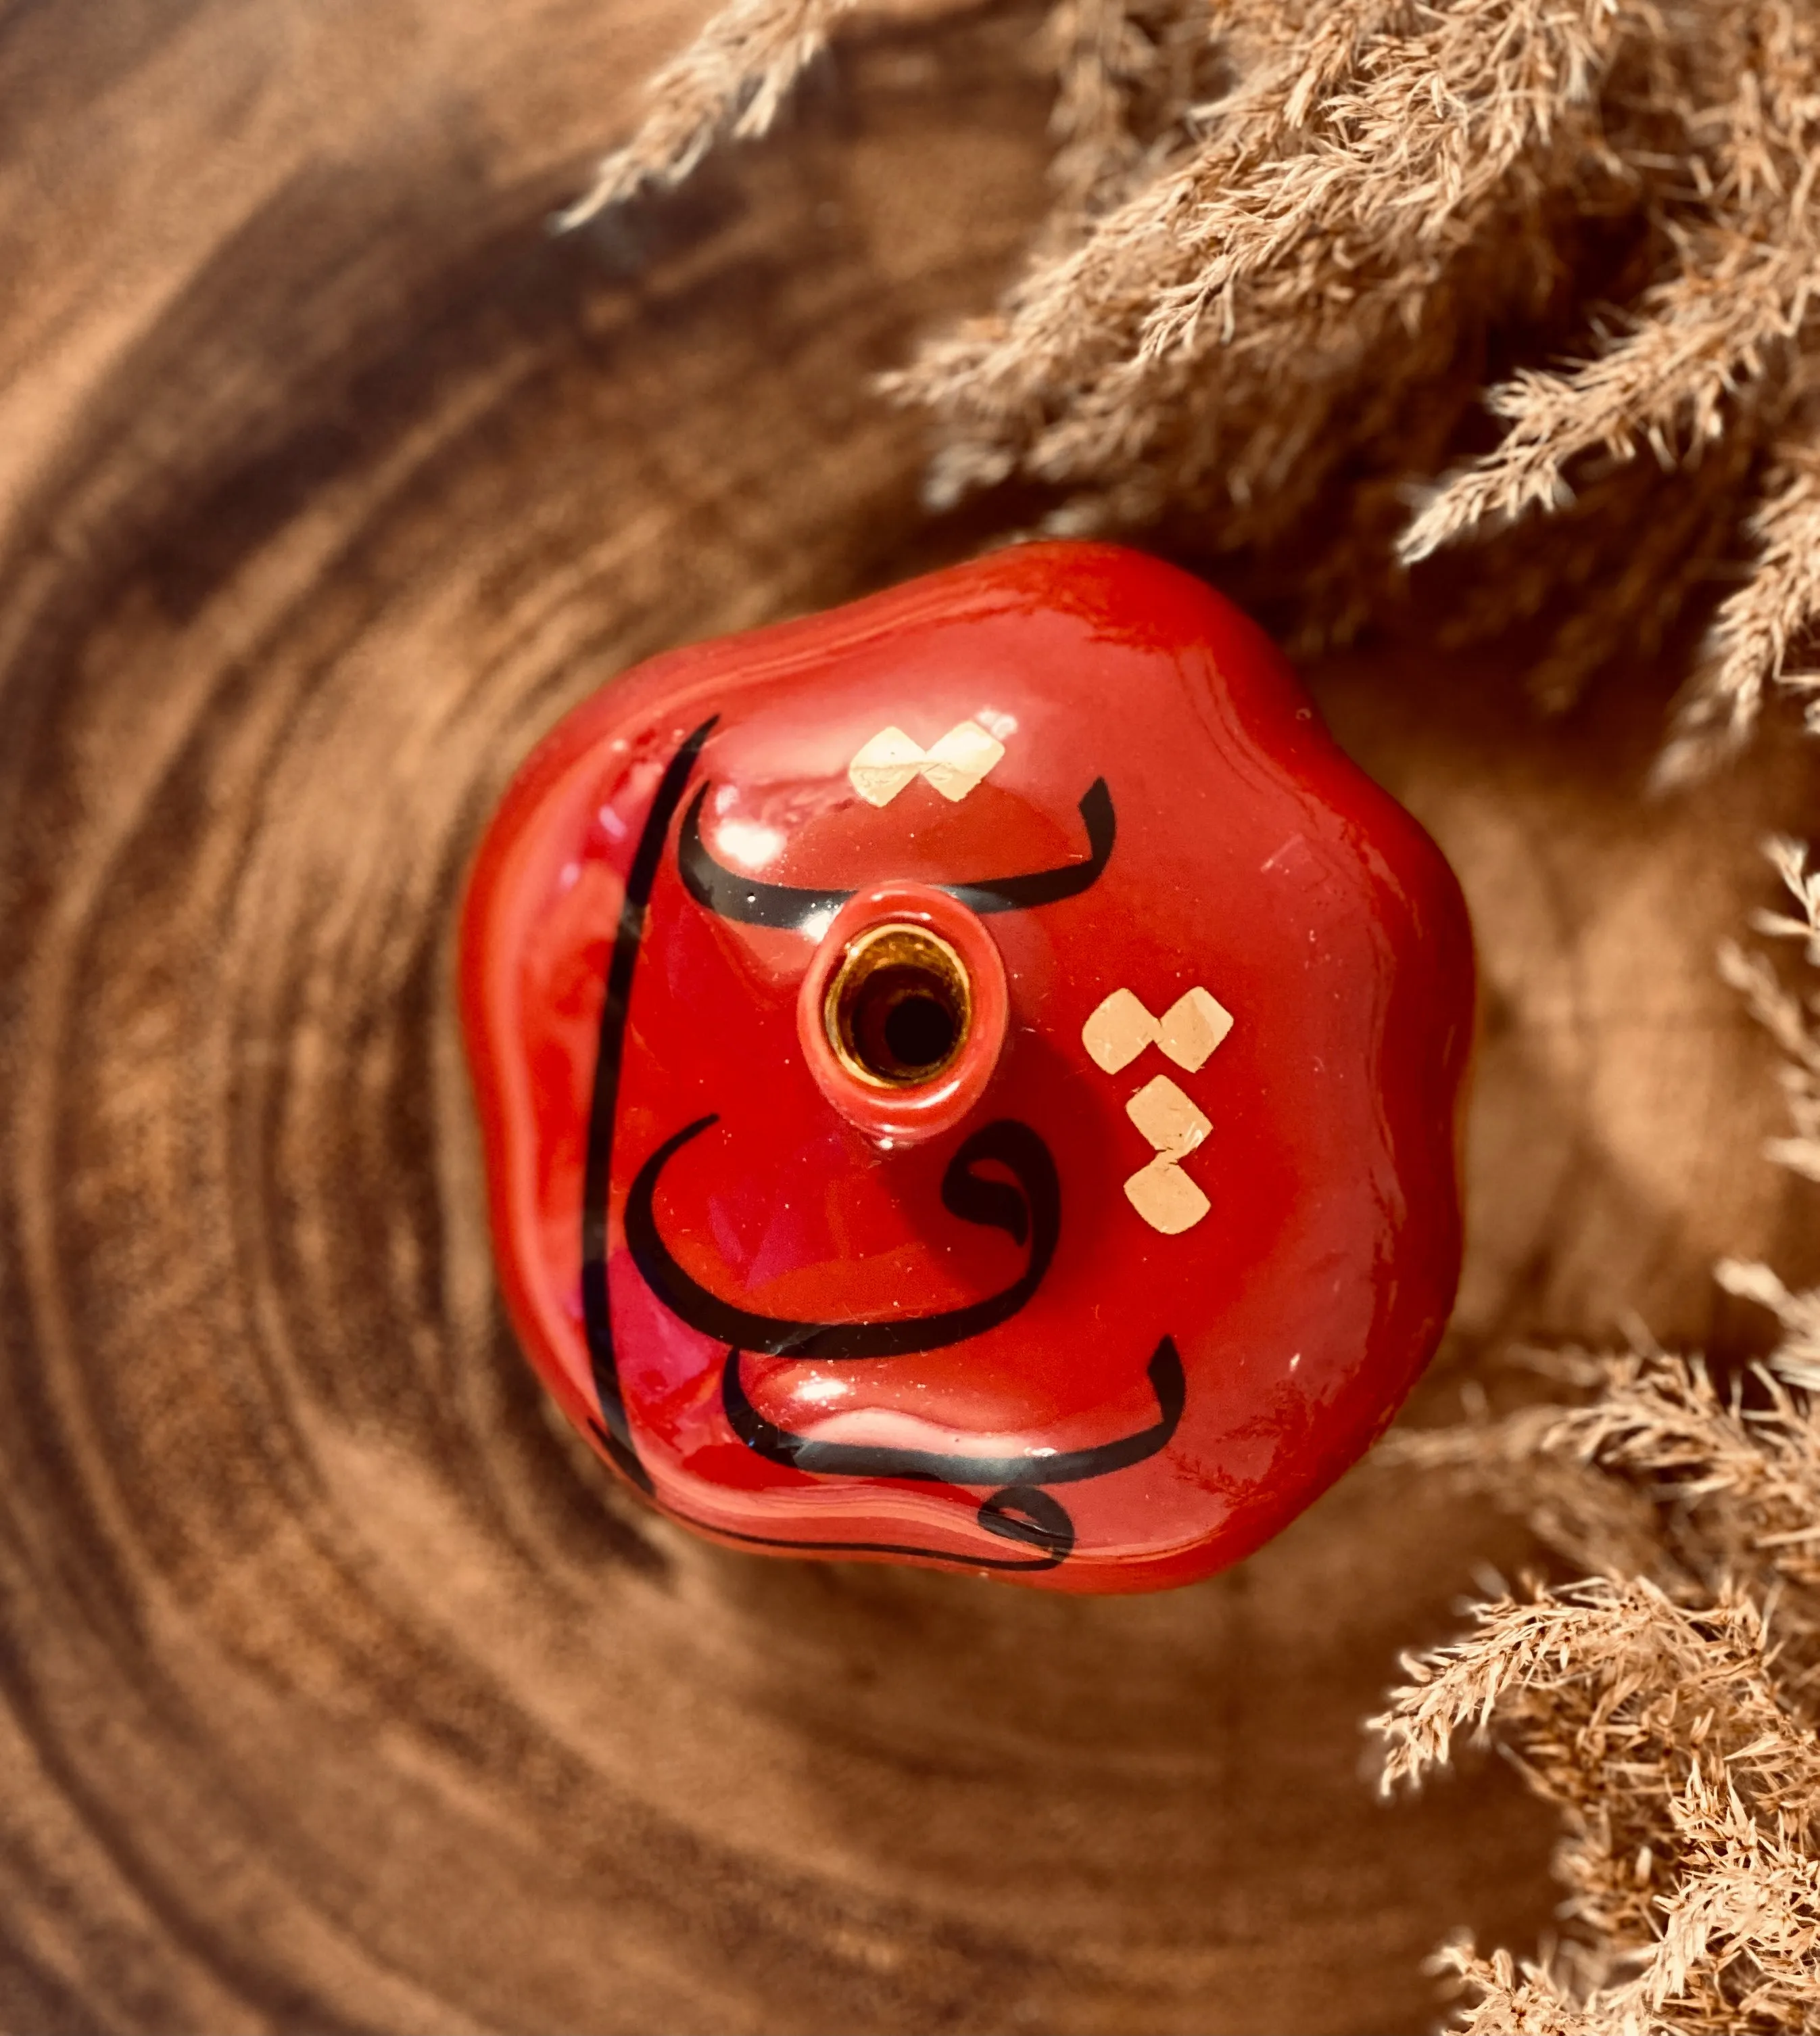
(1100, 60)
(1762, 621)
(1668, 1703)
(1794, 1023)
(1287, 237)
(731, 80)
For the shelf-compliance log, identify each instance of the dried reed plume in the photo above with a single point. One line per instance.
(731, 79)
(1669, 1703)
(1291, 243)
(1288, 236)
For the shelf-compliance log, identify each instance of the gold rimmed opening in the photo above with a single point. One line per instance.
(898, 1007)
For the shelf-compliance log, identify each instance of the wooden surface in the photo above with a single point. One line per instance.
(337, 1689)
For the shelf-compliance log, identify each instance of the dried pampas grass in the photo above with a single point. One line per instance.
(1670, 1703)
(1343, 285)
(1292, 239)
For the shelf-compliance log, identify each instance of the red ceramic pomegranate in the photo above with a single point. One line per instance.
(971, 1079)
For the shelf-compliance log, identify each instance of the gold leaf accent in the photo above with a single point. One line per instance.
(1168, 1118)
(1165, 1197)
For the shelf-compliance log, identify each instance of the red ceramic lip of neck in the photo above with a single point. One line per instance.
(908, 1114)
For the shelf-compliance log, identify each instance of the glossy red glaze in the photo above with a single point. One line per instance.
(973, 1350)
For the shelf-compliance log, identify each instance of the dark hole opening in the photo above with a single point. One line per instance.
(898, 1009)
(920, 1031)
(905, 1023)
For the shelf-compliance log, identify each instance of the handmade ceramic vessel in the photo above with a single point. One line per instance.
(972, 1079)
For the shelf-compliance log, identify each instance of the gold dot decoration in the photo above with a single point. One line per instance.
(883, 766)
(1120, 1028)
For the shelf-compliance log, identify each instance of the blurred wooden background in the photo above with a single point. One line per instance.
(337, 1689)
